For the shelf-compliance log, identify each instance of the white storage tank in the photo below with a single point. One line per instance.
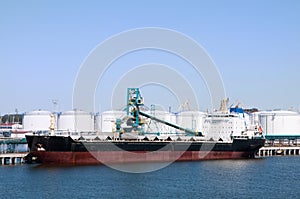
(152, 126)
(105, 122)
(254, 118)
(76, 121)
(193, 120)
(37, 120)
(282, 123)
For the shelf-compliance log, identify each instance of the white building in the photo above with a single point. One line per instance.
(223, 126)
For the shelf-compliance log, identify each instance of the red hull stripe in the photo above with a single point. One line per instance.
(125, 157)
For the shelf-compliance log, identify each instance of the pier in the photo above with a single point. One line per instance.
(12, 151)
(278, 150)
(280, 145)
(12, 158)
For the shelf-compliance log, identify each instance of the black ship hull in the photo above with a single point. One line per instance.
(65, 150)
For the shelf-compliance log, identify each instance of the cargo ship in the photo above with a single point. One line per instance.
(225, 136)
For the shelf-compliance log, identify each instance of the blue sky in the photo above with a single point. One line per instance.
(255, 45)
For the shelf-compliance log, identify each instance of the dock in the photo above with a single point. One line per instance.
(279, 150)
(13, 151)
(12, 158)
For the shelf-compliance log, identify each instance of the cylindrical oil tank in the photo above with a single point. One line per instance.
(105, 121)
(39, 120)
(254, 118)
(76, 121)
(193, 120)
(280, 122)
(151, 126)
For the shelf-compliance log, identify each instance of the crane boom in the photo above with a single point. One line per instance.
(135, 101)
(188, 131)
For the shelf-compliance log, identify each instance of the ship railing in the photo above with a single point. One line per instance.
(244, 137)
(143, 139)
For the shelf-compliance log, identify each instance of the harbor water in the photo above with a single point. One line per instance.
(270, 177)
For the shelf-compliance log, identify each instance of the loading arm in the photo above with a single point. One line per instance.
(187, 131)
